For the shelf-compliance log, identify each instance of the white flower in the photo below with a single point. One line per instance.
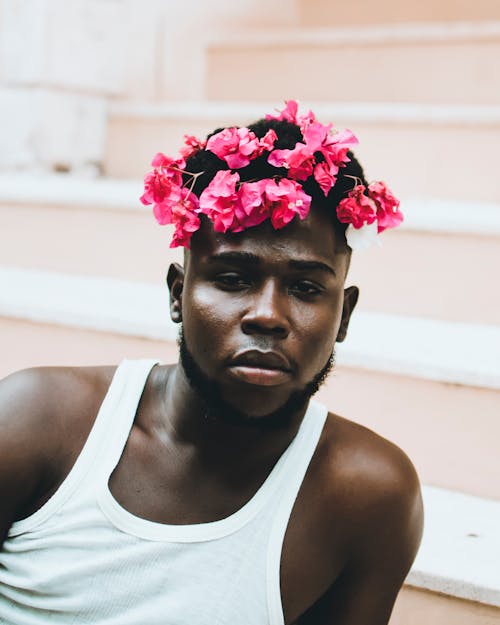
(362, 238)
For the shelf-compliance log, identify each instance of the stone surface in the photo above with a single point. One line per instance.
(187, 25)
(419, 147)
(415, 607)
(51, 130)
(460, 547)
(434, 64)
(77, 45)
(331, 13)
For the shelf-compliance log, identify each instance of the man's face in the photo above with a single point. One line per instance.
(261, 311)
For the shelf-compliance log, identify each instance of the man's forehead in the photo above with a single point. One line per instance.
(311, 240)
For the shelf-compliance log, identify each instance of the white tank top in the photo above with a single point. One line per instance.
(82, 558)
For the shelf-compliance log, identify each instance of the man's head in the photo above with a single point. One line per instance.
(261, 311)
(261, 298)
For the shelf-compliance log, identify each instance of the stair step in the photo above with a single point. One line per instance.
(454, 353)
(402, 63)
(363, 12)
(35, 344)
(416, 146)
(415, 606)
(425, 376)
(83, 226)
(460, 548)
(99, 227)
(457, 561)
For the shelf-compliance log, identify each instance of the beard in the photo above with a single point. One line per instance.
(217, 409)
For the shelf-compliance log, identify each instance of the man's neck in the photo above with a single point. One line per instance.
(185, 419)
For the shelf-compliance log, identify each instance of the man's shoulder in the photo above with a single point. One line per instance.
(47, 403)
(49, 391)
(368, 477)
(46, 414)
(355, 452)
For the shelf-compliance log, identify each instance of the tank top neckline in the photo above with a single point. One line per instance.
(130, 523)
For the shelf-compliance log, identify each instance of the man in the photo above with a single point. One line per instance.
(214, 491)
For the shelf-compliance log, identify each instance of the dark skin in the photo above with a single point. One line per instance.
(357, 522)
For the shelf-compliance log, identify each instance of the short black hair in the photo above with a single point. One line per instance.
(289, 135)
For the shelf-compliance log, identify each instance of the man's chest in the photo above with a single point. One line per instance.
(179, 492)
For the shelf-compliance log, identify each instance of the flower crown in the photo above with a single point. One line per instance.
(233, 205)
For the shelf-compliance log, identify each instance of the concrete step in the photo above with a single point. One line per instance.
(83, 226)
(416, 606)
(423, 270)
(317, 13)
(426, 268)
(427, 63)
(432, 387)
(458, 559)
(419, 147)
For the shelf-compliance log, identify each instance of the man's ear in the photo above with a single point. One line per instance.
(351, 295)
(175, 282)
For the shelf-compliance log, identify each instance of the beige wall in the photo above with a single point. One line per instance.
(62, 61)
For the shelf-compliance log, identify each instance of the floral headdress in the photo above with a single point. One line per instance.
(232, 205)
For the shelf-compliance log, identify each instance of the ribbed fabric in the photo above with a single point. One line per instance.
(82, 558)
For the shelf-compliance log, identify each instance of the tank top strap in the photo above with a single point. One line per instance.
(104, 444)
(118, 412)
(297, 463)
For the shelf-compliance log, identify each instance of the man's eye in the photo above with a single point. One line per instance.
(231, 280)
(304, 287)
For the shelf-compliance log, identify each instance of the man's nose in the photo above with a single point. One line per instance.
(268, 312)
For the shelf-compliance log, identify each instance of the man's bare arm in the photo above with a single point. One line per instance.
(386, 541)
(45, 417)
(25, 436)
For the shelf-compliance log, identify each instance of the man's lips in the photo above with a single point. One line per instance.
(262, 368)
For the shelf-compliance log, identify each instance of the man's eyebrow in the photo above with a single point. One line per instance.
(253, 259)
(311, 265)
(234, 257)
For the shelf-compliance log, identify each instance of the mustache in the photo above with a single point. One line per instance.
(217, 409)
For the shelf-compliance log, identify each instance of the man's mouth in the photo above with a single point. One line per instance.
(262, 368)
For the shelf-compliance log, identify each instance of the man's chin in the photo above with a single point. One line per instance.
(261, 406)
(261, 412)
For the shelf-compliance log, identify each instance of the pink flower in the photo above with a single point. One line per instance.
(250, 209)
(237, 146)
(158, 187)
(326, 176)
(289, 113)
(357, 209)
(388, 213)
(315, 135)
(333, 147)
(267, 142)
(162, 161)
(285, 198)
(219, 200)
(299, 161)
(336, 146)
(164, 180)
(191, 145)
(305, 120)
(163, 210)
(185, 219)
